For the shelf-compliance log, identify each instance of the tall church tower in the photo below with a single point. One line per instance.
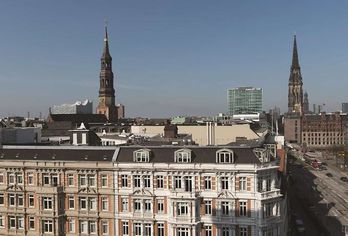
(106, 88)
(295, 96)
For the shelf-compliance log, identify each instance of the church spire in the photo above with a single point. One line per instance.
(295, 62)
(106, 52)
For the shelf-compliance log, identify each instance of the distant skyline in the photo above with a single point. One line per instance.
(170, 57)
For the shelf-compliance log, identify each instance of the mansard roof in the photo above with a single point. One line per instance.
(164, 154)
(198, 154)
(56, 153)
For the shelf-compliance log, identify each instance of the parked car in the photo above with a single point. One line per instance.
(344, 179)
(329, 175)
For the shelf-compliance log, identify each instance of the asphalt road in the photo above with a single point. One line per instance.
(319, 199)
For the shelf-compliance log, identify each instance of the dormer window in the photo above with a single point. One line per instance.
(182, 156)
(142, 155)
(225, 156)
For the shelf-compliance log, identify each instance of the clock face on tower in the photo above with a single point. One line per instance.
(101, 100)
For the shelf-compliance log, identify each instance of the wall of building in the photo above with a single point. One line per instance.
(219, 135)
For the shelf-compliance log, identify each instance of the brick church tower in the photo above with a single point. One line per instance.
(295, 96)
(106, 91)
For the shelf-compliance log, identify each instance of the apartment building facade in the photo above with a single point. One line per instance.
(133, 191)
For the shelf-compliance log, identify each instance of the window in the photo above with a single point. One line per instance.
(105, 227)
(83, 227)
(188, 183)
(160, 206)
(55, 180)
(207, 182)
(243, 231)
(83, 203)
(268, 184)
(267, 210)
(47, 203)
(71, 225)
(137, 181)
(137, 205)
(225, 208)
(91, 181)
(182, 156)
(20, 222)
(207, 205)
(242, 208)
(71, 202)
(125, 228)
(31, 223)
(46, 179)
(105, 204)
(147, 229)
(104, 181)
(182, 208)
(1, 178)
(160, 181)
(177, 182)
(12, 199)
(208, 230)
(124, 181)
(70, 180)
(137, 229)
(48, 226)
(82, 180)
(142, 155)
(92, 227)
(224, 183)
(2, 201)
(147, 206)
(31, 200)
(225, 231)
(242, 183)
(260, 184)
(225, 157)
(12, 222)
(147, 181)
(20, 178)
(92, 204)
(30, 179)
(11, 179)
(182, 231)
(124, 204)
(2, 221)
(20, 201)
(160, 229)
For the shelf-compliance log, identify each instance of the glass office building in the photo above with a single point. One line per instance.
(244, 100)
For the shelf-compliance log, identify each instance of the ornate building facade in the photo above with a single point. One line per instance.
(295, 95)
(140, 191)
(106, 104)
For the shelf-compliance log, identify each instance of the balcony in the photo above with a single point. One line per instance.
(49, 189)
(181, 193)
(269, 194)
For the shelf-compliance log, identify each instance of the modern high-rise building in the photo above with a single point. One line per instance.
(295, 95)
(244, 100)
(345, 107)
(106, 104)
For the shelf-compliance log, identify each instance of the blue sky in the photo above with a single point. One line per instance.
(170, 57)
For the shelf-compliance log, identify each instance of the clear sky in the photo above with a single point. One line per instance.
(170, 57)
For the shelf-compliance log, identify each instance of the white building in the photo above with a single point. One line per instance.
(141, 191)
(85, 107)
